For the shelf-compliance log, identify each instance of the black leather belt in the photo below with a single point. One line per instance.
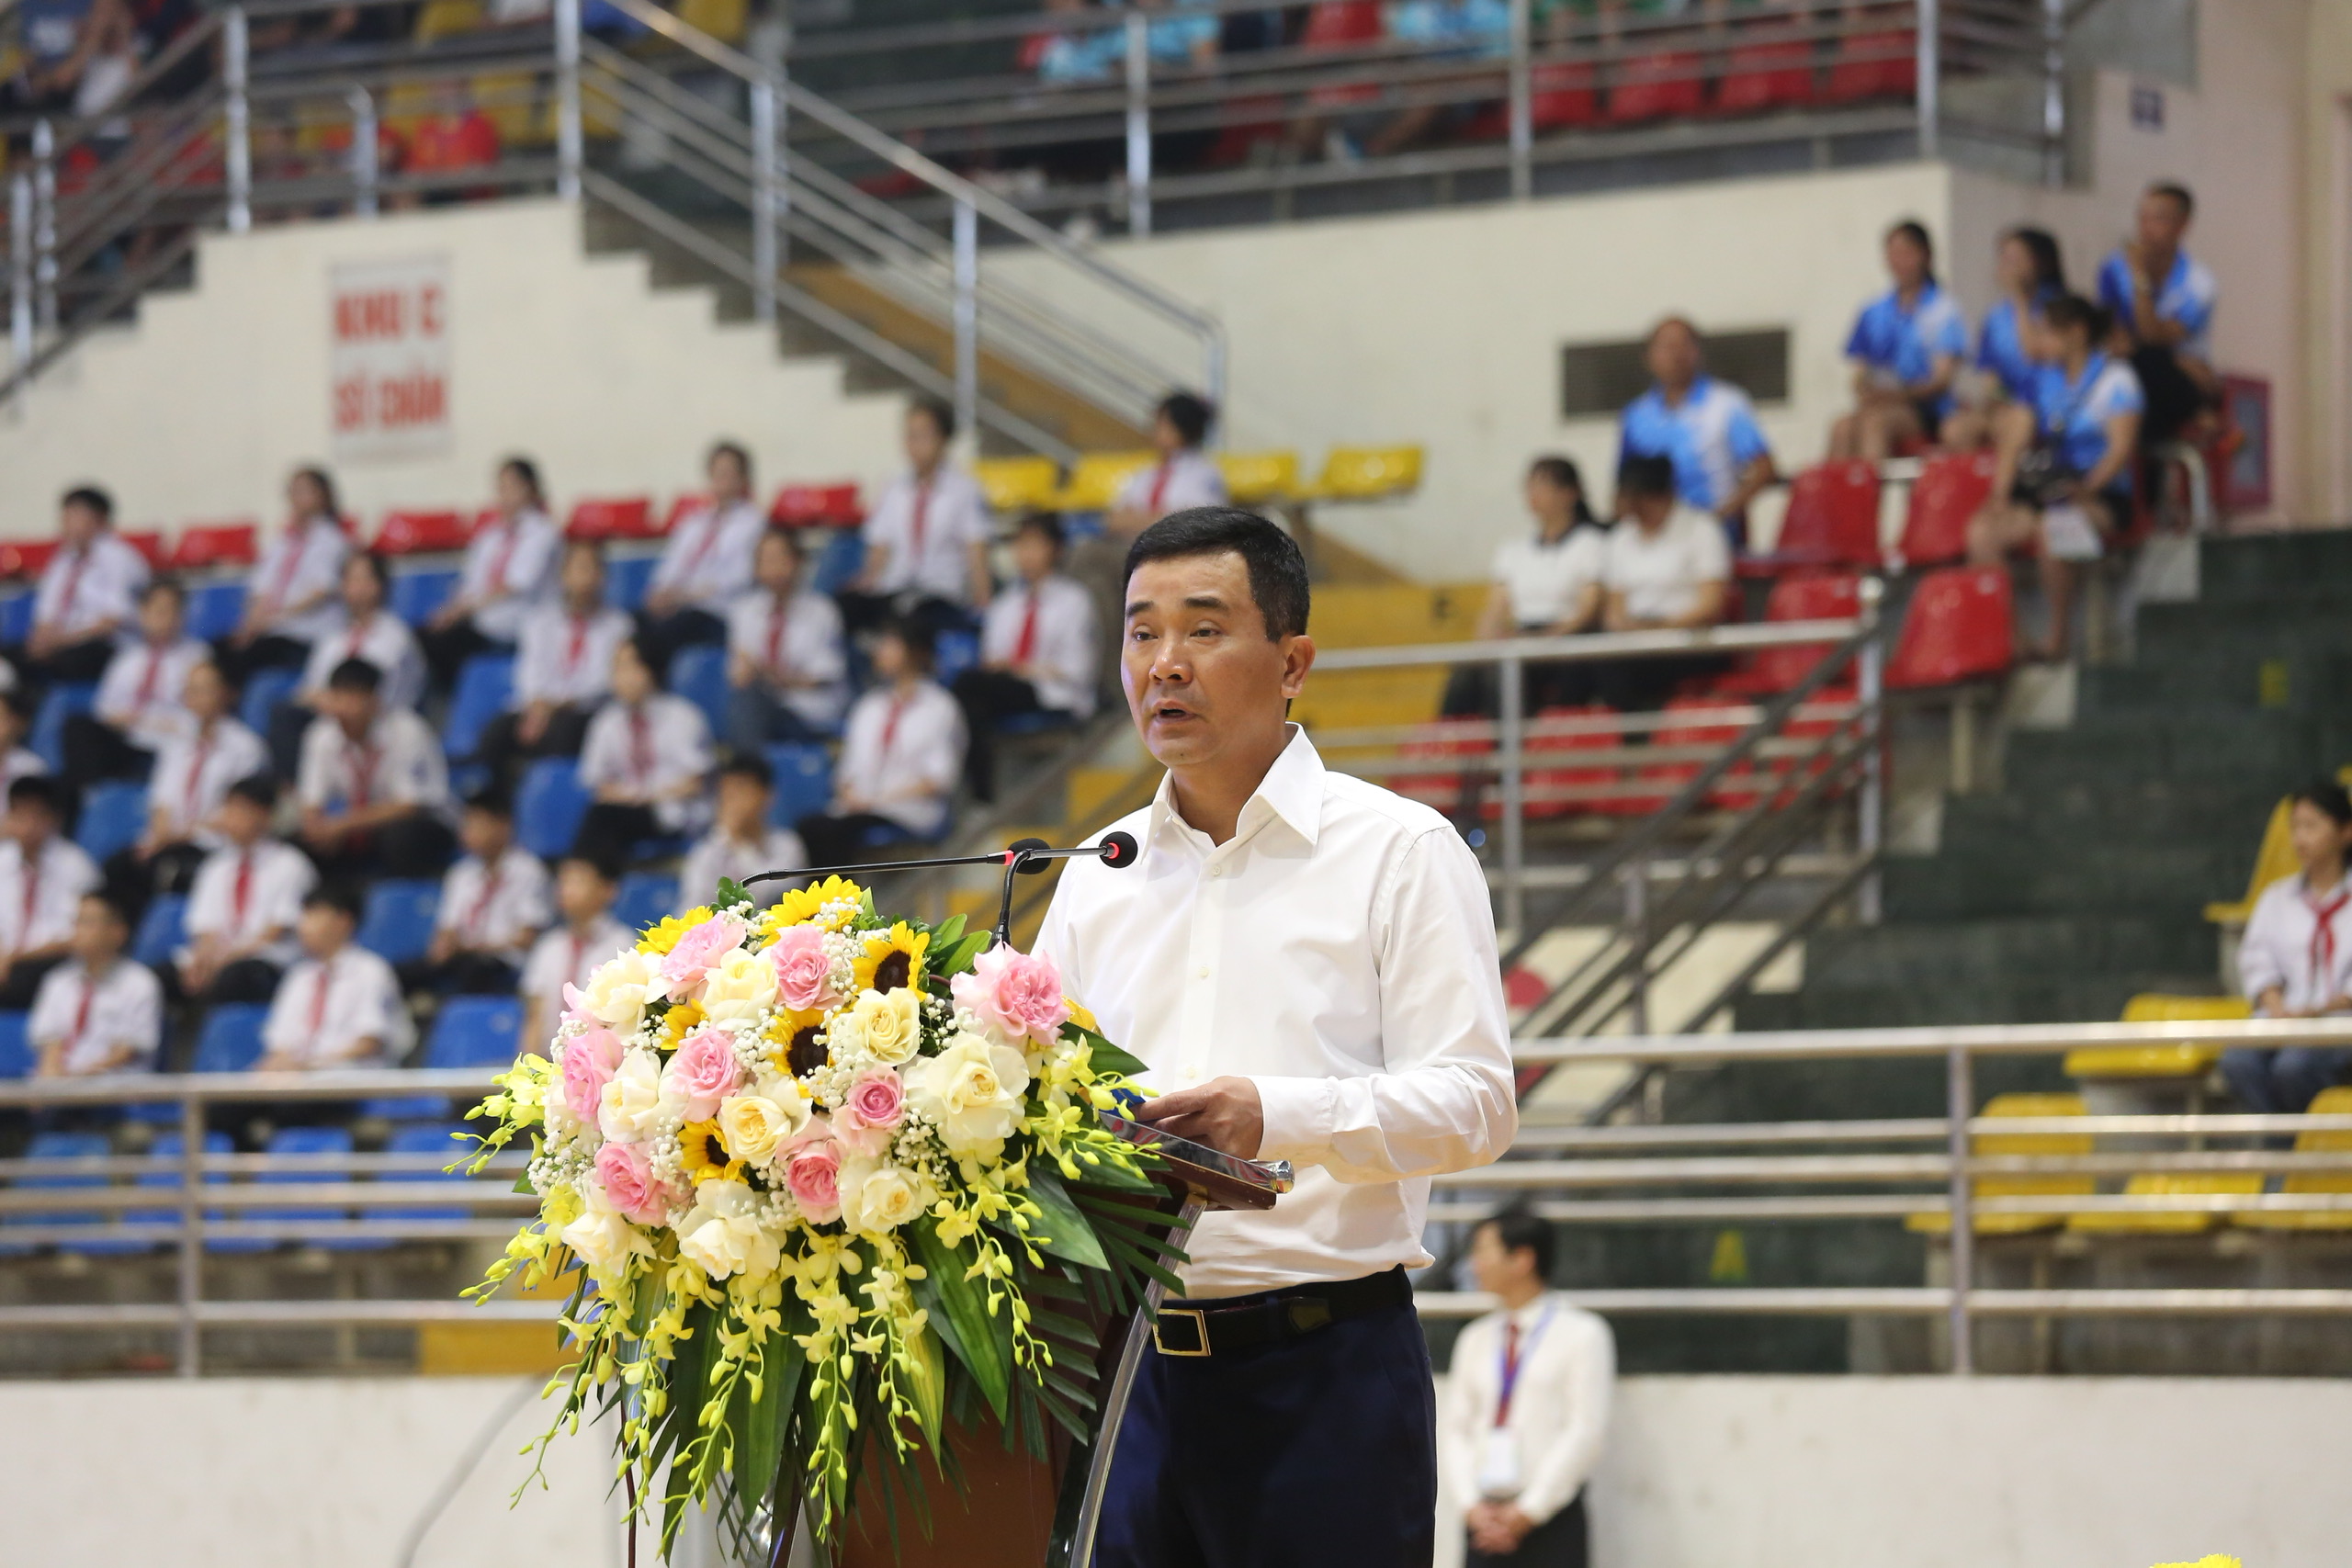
(1243, 1323)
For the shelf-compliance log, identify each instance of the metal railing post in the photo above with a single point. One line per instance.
(45, 227)
(568, 142)
(365, 170)
(1637, 938)
(1138, 125)
(1511, 685)
(2053, 92)
(190, 1286)
(1522, 101)
(20, 269)
(237, 114)
(967, 320)
(1869, 808)
(1961, 1099)
(763, 199)
(1931, 108)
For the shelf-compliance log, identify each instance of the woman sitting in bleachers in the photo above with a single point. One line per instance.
(363, 629)
(1544, 584)
(1906, 346)
(2009, 370)
(563, 671)
(645, 764)
(2296, 958)
(706, 562)
(1668, 568)
(289, 598)
(899, 760)
(509, 571)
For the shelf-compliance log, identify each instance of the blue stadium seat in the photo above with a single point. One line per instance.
(15, 1050)
(215, 609)
(626, 578)
(298, 1142)
(1035, 722)
(113, 816)
(440, 1139)
(71, 1145)
(231, 1040)
(804, 781)
(475, 1031)
(645, 898)
(842, 557)
(416, 594)
(168, 1146)
(882, 835)
(549, 806)
(955, 652)
(397, 923)
(485, 685)
(161, 930)
(698, 673)
(16, 618)
(48, 721)
(265, 689)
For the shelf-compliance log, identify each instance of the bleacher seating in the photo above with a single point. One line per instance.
(422, 533)
(169, 1146)
(1015, 485)
(817, 506)
(439, 1139)
(231, 1040)
(60, 1146)
(113, 814)
(2185, 1061)
(2058, 1108)
(627, 579)
(415, 595)
(954, 652)
(1666, 84)
(1810, 596)
(1951, 487)
(397, 922)
(2328, 1103)
(548, 806)
(15, 1050)
(645, 898)
(264, 691)
(204, 546)
(841, 560)
(473, 1032)
(804, 781)
(1761, 77)
(698, 673)
(485, 686)
(161, 930)
(624, 517)
(300, 1142)
(63, 701)
(1832, 520)
(215, 609)
(1960, 627)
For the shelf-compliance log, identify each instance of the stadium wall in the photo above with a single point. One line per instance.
(1700, 1472)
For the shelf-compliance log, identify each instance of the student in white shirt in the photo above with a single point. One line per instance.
(785, 658)
(138, 709)
(191, 777)
(1185, 476)
(247, 896)
(1037, 650)
(89, 593)
(1668, 567)
(706, 562)
(96, 1012)
(43, 877)
(364, 630)
(741, 843)
(900, 759)
(1548, 584)
(493, 901)
(289, 597)
(570, 953)
(373, 786)
(509, 572)
(927, 539)
(563, 669)
(2295, 959)
(646, 761)
(341, 1006)
(1526, 1406)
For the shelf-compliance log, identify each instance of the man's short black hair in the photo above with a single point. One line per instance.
(111, 905)
(920, 641)
(1047, 524)
(256, 789)
(734, 449)
(92, 499)
(2179, 194)
(19, 702)
(170, 585)
(604, 866)
(355, 675)
(1650, 476)
(1517, 1227)
(376, 568)
(941, 414)
(492, 799)
(1191, 416)
(747, 766)
(1277, 571)
(635, 642)
(340, 897)
(38, 789)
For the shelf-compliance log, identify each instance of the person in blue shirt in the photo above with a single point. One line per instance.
(1706, 427)
(2032, 272)
(1906, 346)
(1179, 35)
(1438, 29)
(2163, 298)
(2072, 455)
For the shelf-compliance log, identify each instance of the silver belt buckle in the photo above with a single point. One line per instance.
(1200, 1330)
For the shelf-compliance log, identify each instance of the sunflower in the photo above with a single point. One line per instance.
(702, 1154)
(792, 1037)
(801, 905)
(892, 958)
(659, 939)
(678, 1022)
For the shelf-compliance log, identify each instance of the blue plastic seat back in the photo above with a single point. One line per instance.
(397, 924)
(474, 1032)
(63, 703)
(168, 1146)
(1037, 721)
(440, 1140)
(163, 930)
(310, 1140)
(215, 609)
(955, 652)
(231, 1040)
(16, 617)
(16, 1047)
(647, 897)
(264, 690)
(842, 557)
(549, 806)
(417, 594)
(74, 1146)
(698, 673)
(485, 686)
(113, 816)
(627, 579)
(804, 781)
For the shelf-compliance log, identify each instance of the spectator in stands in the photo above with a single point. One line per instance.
(363, 629)
(1526, 1406)
(64, 49)
(2162, 299)
(927, 539)
(43, 877)
(89, 593)
(510, 570)
(567, 955)
(1185, 476)
(2068, 463)
(2296, 958)
(1707, 427)
(456, 135)
(1439, 29)
(493, 902)
(705, 563)
(17, 760)
(785, 659)
(191, 780)
(2009, 370)
(1907, 347)
(899, 761)
(742, 842)
(1668, 568)
(1065, 58)
(1547, 585)
(1038, 653)
(646, 761)
(247, 898)
(289, 601)
(563, 670)
(373, 784)
(138, 710)
(340, 1006)
(97, 1011)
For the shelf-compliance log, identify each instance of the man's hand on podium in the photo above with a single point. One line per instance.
(1225, 1113)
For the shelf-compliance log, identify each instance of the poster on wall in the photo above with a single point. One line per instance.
(388, 362)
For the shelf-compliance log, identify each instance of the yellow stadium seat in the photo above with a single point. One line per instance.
(447, 18)
(2331, 1102)
(2052, 1105)
(1369, 473)
(1097, 478)
(722, 19)
(2182, 1061)
(2186, 1221)
(2274, 860)
(508, 100)
(1017, 484)
(1253, 478)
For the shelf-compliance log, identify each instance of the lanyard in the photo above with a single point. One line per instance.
(579, 645)
(710, 528)
(362, 758)
(1514, 1357)
(146, 692)
(241, 892)
(81, 1013)
(319, 1001)
(640, 747)
(506, 554)
(777, 618)
(472, 922)
(299, 536)
(915, 525)
(1025, 648)
(2322, 953)
(32, 899)
(72, 588)
(193, 799)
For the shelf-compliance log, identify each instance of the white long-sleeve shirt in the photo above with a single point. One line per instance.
(718, 855)
(1559, 1408)
(565, 958)
(193, 772)
(567, 658)
(1188, 479)
(242, 894)
(303, 562)
(383, 640)
(321, 1010)
(900, 755)
(498, 908)
(799, 638)
(139, 694)
(510, 568)
(650, 750)
(92, 1015)
(81, 588)
(37, 899)
(1055, 620)
(398, 762)
(1339, 951)
(929, 528)
(2286, 946)
(707, 556)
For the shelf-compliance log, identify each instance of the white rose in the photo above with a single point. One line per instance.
(603, 1239)
(752, 1125)
(889, 1024)
(972, 1090)
(616, 992)
(741, 987)
(633, 1101)
(722, 1234)
(878, 1197)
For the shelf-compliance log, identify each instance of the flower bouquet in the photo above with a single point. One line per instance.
(825, 1184)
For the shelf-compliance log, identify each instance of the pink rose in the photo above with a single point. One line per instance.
(813, 1173)
(627, 1171)
(589, 1062)
(1015, 995)
(875, 1105)
(699, 952)
(703, 1073)
(804, 974)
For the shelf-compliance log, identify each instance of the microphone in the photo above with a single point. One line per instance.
(1022, 857)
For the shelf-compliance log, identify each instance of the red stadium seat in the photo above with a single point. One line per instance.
(1707, 721)
(626, 517)
(148, 542)
(1563, 95)
(1559, 792)
(1959, 628)
(26, 557)
(422, 533)
(203, 545)
(1873, 65)
(818, 506)
(1668, 84)
(1441, 738)
(1951, 486)
(1824, 596)
(1761, 77)
(1832, 518)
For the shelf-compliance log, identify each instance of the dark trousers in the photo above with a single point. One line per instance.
(289, 722)
(2174, 395)
(1643, 685)
(95, 750)
(462, 975)
(74, 663)
(415, 845)
(502, 748)
(756, 715)
(990, 696)
(1313, 1452)
(1564, 1541)
(268, 651)
(446, 648)
(134, 882)
(2283, 1082)
(245, 980)
(867, 611)
(662, 636)
(841, 839)
(610, 831)
(23, 978)
(1474, 691)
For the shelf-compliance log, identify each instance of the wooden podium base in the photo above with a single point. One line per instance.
(1002, 1518)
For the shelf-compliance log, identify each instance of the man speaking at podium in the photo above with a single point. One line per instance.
(1307, 962)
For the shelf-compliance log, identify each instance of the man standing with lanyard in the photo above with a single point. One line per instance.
(1307, 962)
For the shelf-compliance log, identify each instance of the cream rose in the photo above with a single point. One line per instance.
(877, 1197)
(632, 1103)
(752, 1125)
(616, 992)
(722, 1234)
(741, 986)
(603, 1239)
(972, 1092)
(886, 1026)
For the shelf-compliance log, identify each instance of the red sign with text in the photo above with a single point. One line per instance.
(389, 358)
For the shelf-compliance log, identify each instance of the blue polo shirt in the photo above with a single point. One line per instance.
(2000, 350)
(1710, 437)
(1903, 345)
(1453, 27)
(2188, 296)
(2074, 412)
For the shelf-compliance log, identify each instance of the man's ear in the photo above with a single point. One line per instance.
(1298, 658)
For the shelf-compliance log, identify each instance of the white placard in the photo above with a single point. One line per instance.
(387, 361)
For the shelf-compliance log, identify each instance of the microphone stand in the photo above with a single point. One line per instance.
(1022, 857)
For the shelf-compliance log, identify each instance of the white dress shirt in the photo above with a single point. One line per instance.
(719, 855)
(929, 528)
(1542, 582)
(707, 556)
(37, 902)
(563, 958)
(243, 893)
(1173, 484)
(510, 568)
(495, 909)
(1547, 1448)
(1339, 951)
(140, 693)
(902, 754)
(383, 640)
(399, 762)
(192, 775)
(648, 749)
(81, 588)
(303, 560)
(2287, 945)
(1660, 574)
(798, 638)
(320, 1008)
(567, 658)
(1056, 621)
(92, 1015)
